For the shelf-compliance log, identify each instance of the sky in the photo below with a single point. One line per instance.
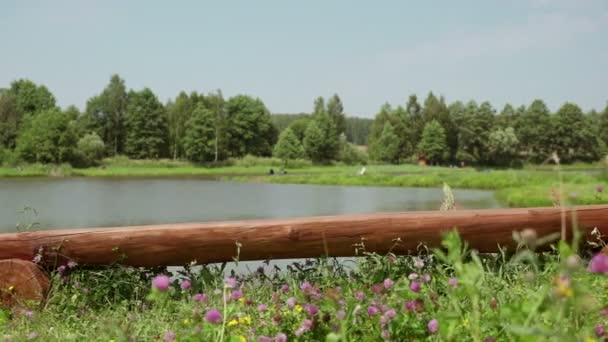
(289, 52)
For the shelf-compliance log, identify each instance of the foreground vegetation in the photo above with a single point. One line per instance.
(451, 294)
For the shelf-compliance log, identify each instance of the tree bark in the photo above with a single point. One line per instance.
(401, 233)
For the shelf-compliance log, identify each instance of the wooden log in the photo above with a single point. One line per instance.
(22, 284)
(178, 244)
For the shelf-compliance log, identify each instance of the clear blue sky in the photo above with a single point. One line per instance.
(289, 52)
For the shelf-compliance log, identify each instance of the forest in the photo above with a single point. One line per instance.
(208, 128)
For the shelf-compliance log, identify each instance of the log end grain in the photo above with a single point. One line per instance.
(22, 284)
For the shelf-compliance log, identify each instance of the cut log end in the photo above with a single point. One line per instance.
(22, 284)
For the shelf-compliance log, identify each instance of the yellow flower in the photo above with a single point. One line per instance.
(245, 319)
(233, 322)
(242, 300)
(465, 322)
(11, 288)
(298, 308)
(590, 339)
(186, 322)
(563, 287)
(112, 340)
(242, 338)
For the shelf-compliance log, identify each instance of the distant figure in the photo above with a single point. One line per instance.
(283, 172)
(271, 172)
(362, 172)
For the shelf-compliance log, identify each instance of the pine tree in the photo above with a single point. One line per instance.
(147, 126)
(433, 142)
(199, 138)
(288, 147)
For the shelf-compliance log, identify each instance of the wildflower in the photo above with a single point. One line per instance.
(285, 288)
(242, 338)
(465, 322)
(418, 263)
(306, 287)
(233, 322)
(186, 284)
(410, 305)
(161, 283)
(385, 334)
(265, 339)
(241, 300)
(377, 288)
(388, 283)
(412, 276)
(231, 283)
(72, 264)
(372, 311)
(28, 313)
(573, 262)
(415, 286)
(262, 307)
(563, 288)
(493, 303)
(200, 297)
(61, 269)
(341, 302)
(433, 326)
(37, 259)
(604, 312)
(426, 277)
(599, 263)
(280, 338)
(360, 295)
(453, 282)
(169, 336)
(298, 308)
(186, 322)
(340, 314)
(599, 189)
(599, 330)
(291, 302)
(311, 309)
(32, 336)
(213, 316)
(236, 294)
(304, 327)
(390, 314)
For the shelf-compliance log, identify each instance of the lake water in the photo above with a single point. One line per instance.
(103, 202)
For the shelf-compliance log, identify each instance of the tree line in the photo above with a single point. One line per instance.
(206, 128)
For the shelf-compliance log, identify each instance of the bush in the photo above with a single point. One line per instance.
(8, 157)
(251, 161)
(350, 155)
(90, 150)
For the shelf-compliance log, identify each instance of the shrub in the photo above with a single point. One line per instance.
(89, 151)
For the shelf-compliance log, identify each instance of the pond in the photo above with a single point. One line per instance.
(102, 202)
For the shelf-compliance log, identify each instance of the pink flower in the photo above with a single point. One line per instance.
(603, 312)
(161, 283)
(377, 288)
(599, 330)
(186, 284)
(433, 326)
(426, 277)
(265, 339)
(311, 309)
(72, 264)
(291, 302)
(236, 294)
(410, 305)
(372, 311)
(599, 263)
(415, 286)
(412, 276)
(360, 295)
(453, 282)
(201, 297)
(304, 327)
(262, 307)
(169, 336)
(418, 263)
(285, 288)
(306, 287)
(280, 338)
(388, 283)
(61, 269)
(390, 314)
(340, 314)
(213, 316)
(385, 334)
(231, 283)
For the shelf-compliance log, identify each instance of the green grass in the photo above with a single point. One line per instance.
(471, 297)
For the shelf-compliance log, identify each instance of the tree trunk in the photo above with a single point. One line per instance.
(400, 233)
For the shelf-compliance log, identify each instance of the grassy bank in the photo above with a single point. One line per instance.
(454, 295)
(515, 188)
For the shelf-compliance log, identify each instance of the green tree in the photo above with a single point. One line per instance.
(474, 127)
(147, 126)
(47, 137)
(217, 105)
(90, 150)
(299, 127)
(320, 140)
(31, 98)
(387, 145)
(357, 130)
(199, 138)
(398, 119)
(433, 142)
(436, 109)
(335, 110)
(534, 132)
(250, 129)
(319, 106)
(603, 125)
(503, 147)
(178, 114)
(349, 154)
(288, 147)
(106, 114)
(10, 119)
(573, 136)
(414, 111)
